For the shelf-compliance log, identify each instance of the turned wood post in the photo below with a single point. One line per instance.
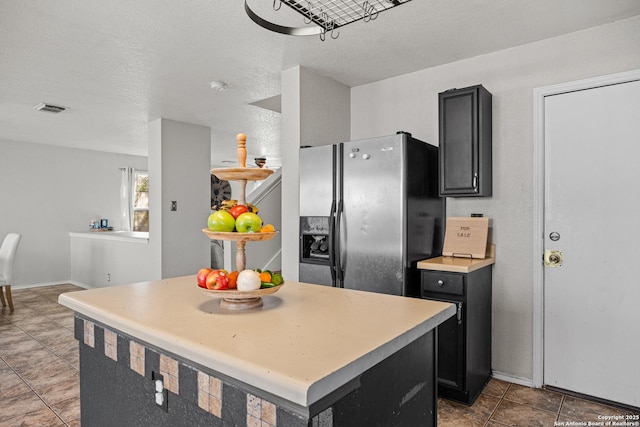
(241, 140)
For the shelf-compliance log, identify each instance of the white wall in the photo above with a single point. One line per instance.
(315, 111)
(179, 170)
(267, 254)
(108, 259)
(46, 192)
(410, 103)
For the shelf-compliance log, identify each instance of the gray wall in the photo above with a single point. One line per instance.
(46, 192)
(410, 103)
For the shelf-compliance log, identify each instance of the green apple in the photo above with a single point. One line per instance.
(221, 221)
(248, 222)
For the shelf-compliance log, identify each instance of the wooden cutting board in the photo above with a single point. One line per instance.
(466, 237)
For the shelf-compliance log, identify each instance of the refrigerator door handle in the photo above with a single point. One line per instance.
(332, 249)
(338, 249)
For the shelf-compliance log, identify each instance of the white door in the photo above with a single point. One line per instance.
(592, 212)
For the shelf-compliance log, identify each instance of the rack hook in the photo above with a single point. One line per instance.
(333, 25)
(369, 12)
(274, 4)
(324, 18)
(308, 20)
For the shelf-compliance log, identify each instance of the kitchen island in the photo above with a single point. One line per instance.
(165, 353)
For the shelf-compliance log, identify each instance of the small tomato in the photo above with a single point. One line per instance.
(237, 210)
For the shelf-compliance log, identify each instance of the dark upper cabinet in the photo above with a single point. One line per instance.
(465, 142)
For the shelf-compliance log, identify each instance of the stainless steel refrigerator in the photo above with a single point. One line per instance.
(369, 210)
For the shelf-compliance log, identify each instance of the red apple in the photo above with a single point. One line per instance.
(217, 280)
(202, 277)
(237, 210)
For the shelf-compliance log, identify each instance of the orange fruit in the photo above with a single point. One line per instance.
(233, 279)
(265, 277)
(268, 228)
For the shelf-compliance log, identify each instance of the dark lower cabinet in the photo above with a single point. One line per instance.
(464, 341)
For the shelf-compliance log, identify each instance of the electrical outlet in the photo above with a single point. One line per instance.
(160, 394)
(108, 277)
(174, 205)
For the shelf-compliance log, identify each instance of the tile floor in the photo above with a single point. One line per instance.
(39, 364)
(506, 404)
(39, 381)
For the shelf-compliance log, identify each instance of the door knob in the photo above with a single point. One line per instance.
(552, 258)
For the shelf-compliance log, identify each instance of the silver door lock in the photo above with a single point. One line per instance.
(552, 258)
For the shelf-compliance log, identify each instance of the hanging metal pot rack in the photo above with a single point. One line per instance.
(327, 15)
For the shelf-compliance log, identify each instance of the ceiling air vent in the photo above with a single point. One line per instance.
(49, 108)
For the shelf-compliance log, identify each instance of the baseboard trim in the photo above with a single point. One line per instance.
(632, 409)
(81, 285)
(527, 382)
(39, 285)
(43, 284)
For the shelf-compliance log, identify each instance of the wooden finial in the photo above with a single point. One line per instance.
(241, 139)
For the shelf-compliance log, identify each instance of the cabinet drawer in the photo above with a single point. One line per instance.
(435, 281)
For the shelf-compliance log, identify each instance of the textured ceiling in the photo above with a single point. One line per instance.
(119, 64)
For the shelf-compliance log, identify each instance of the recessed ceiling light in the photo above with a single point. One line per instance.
(49, 108)
(219, 86)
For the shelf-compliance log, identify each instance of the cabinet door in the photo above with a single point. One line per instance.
(465, 142)
(451, 350)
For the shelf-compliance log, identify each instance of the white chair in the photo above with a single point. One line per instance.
(7, 254)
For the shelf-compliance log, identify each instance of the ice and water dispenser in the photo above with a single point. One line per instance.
(314, 240)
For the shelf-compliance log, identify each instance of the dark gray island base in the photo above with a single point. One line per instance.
(118, 376)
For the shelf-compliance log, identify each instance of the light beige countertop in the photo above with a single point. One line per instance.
(458, 265)
(304, 343)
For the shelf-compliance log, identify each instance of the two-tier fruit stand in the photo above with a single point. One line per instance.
(232, 299)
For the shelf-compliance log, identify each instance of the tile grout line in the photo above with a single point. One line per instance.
(25, 382)
(47, 347)
(560, 408)
(489, 420)
(530, 405)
